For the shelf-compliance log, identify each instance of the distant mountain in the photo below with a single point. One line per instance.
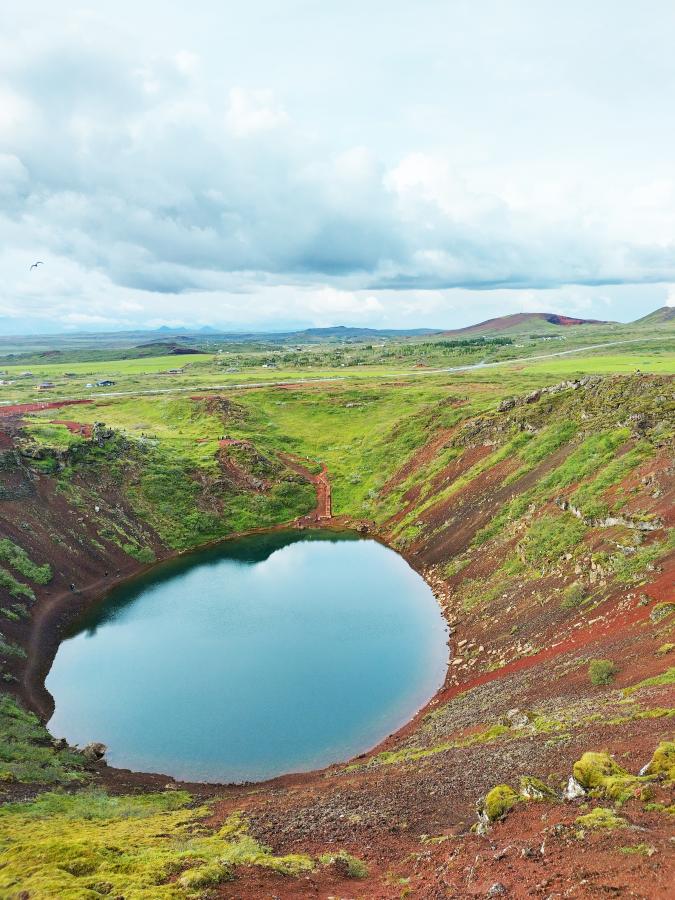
(522, 322)
(664, 314)
(339, 332)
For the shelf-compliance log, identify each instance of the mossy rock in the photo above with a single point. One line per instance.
(345, 865)
(601, 817)
(599, 773)
(662, 763)
(499, 801)
(532, 788)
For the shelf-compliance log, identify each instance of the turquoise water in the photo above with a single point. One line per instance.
(271, 654)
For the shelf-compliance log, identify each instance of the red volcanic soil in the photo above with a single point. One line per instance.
(323, 509)
(85, 429)
(20, 408)
(504, 323)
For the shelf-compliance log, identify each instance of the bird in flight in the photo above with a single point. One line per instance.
(36, 264)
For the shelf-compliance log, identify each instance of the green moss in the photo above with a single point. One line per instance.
(667, 677)
(662, 763)
(573, 595)
(535, 789)
(604, 777)
(601, 671)
(499, 801)
(206, 876)
(410, 754)
(644, 849)
(69, 846)
(665, 649)
(601, 817)
(658, 712)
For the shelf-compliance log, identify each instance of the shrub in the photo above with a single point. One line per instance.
(9, 648)
(601, 671)
(573, 596)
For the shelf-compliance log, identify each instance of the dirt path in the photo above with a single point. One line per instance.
(324, 507)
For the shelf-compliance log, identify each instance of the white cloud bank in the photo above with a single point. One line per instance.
(157, 189)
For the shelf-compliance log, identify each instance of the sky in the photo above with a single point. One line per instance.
(269, 164)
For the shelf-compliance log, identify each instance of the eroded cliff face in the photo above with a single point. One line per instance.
(545, 529)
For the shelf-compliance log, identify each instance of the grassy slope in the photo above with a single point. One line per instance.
(364, 433)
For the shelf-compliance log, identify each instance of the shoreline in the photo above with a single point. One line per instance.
(53, 617)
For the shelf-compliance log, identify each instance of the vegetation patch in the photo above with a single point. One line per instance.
(601, 817)
(15, 588)
(662, 763)
(346, 865)
(602, 776)
(549, 537)
(91, 844)
(27, 753)
(19, 560)
(499, 801)
(661, 611)
(631, 568)
(573, 596)
(665, 678)
(601, 671)
(589, 497)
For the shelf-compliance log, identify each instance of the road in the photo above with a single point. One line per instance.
(230, 386)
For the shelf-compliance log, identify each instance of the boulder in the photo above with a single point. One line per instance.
(94, 751)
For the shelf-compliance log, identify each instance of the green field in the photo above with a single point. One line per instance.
(105, 368)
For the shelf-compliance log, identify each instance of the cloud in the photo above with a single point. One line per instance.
(250, 112)
(147, 179)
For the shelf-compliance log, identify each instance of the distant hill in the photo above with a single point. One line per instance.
(160, 348)
(522, 322)
(334, 332)
(664, 314)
